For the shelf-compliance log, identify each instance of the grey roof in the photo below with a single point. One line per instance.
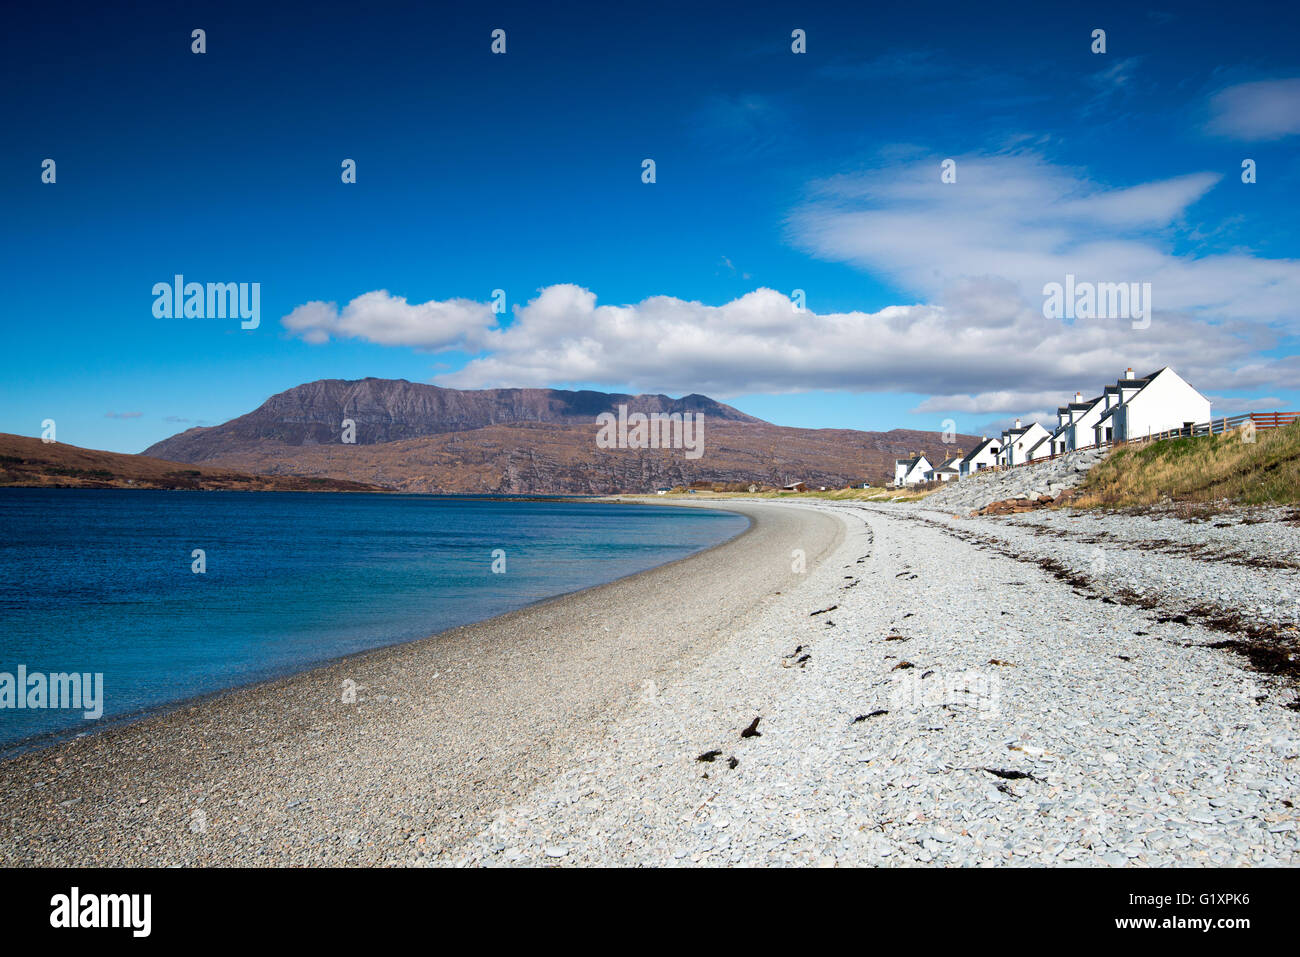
(1045, 438)
(978, 449)
(1138, 384)
(1023, 430)
(1140, 381)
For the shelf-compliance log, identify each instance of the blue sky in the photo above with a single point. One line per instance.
(775, 171)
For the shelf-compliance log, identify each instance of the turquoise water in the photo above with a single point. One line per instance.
(102, 581)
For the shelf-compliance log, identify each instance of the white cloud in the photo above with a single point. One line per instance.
(1221, 404)
(1044, 417)
(1265, 110)
(1018, 218)
(389, 320)
(990, 402)
(988, 351)
(974, 254)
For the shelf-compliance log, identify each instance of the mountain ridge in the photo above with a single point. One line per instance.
(392, 410)
(419, 438)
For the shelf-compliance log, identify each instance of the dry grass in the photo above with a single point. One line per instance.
(1206, 469)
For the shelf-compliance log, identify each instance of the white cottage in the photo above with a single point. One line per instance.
(1023, 444)
(949, 470)
(911, 471)
(982, 456)
(1159, 402)
(1075, 421)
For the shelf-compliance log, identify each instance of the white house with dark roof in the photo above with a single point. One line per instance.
(984, 455)
(949, 470)
(1040, 449)
(911, 471)
(1075, 421)
(1022, 444)
(1133, 408)
(1159, 402)
(1125, 387)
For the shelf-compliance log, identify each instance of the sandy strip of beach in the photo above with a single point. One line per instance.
(443, 732)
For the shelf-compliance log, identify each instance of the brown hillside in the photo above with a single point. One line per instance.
(534, 458)
(27, 461)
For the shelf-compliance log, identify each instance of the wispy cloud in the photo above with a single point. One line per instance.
(1024, 220)
(899, 65)
(738, 127)
(731, 268)
(1111, 82)
(123, 415)
(1264, 110)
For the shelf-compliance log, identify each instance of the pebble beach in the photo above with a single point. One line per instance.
(1051, 688)
(932, 695)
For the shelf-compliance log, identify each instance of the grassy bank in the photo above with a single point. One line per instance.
(1204, 469)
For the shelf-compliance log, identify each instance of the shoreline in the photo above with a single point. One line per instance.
(49, 739)
(427, 714)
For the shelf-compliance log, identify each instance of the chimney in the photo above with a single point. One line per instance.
(1017, 423)
(1128, 373)
(1078, 397)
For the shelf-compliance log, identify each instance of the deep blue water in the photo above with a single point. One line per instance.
(101, 580)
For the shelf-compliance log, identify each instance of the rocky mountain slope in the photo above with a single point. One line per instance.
(527, 441)
(391, 410)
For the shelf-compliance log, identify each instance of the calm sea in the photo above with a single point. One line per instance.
(103, 580)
